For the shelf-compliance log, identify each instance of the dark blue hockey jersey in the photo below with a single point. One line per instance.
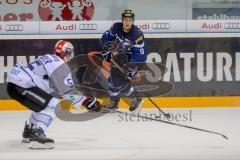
(138, 52)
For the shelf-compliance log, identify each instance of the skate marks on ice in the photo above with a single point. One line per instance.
(75, 147)
(13, 145)
(109, 138)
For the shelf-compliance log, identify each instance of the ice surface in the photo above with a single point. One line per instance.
(114, 137)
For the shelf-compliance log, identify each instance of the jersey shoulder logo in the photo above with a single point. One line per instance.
(140, 38)
(14, 71)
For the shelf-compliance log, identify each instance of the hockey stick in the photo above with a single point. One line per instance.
(159, 120)
(167, 115)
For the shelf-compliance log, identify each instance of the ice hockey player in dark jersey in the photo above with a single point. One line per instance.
(132, 51)
(33, 84)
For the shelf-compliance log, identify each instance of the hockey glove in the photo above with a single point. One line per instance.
(125, 47)
(110, 46)
(92, 104)
(129, 71)
(107, 55)
(108, 49)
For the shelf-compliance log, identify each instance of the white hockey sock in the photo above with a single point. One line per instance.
(44, 118)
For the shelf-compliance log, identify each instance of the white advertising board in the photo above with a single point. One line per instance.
(74, 27)
(161, 26)
(204, 26)
(10, 28)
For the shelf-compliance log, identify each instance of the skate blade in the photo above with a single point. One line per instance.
(107, 110)
(26, 140)
(37, 145)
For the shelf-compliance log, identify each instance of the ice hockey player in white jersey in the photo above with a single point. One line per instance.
(32, 85)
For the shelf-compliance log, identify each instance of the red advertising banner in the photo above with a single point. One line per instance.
(46, 10)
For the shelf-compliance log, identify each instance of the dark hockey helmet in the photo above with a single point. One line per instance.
(128, 13)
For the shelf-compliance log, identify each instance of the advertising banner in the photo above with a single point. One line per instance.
(85, 10)
(216, 13)
(74, 27)
(195, 66)
(46, 10)
(216, 10)
(98, 27)
(14, 28)
(161, 26)
(213, 26)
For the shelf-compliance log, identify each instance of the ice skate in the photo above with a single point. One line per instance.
(112, 105)
(38, 140)
(136, 104)
(26, 133)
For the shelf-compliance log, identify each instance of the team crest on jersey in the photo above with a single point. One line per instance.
(68, 80)
(66, 10)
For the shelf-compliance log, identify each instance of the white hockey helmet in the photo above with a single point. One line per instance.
(64, 50)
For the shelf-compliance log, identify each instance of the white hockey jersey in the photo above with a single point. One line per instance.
(49, 73)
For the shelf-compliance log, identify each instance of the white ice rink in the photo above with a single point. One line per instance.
(113, 137)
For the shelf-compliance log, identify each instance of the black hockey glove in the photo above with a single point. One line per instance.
(107, 55)
(129, 71)
(92, 104)
(108, 48)
(125, 47)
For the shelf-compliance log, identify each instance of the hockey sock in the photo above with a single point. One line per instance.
(44, 118)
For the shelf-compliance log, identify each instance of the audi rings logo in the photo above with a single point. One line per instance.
(88, 27)
(14, 27)
(232, 25)
(161, 26)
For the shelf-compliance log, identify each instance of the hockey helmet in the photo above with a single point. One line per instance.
(64, 50)
(128, 13)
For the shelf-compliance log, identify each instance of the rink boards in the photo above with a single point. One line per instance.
(163, 102)
(204, 72)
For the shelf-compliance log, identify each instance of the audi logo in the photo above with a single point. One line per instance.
(87, 27)
(14, 27)
(160, 26)
(232, 25)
